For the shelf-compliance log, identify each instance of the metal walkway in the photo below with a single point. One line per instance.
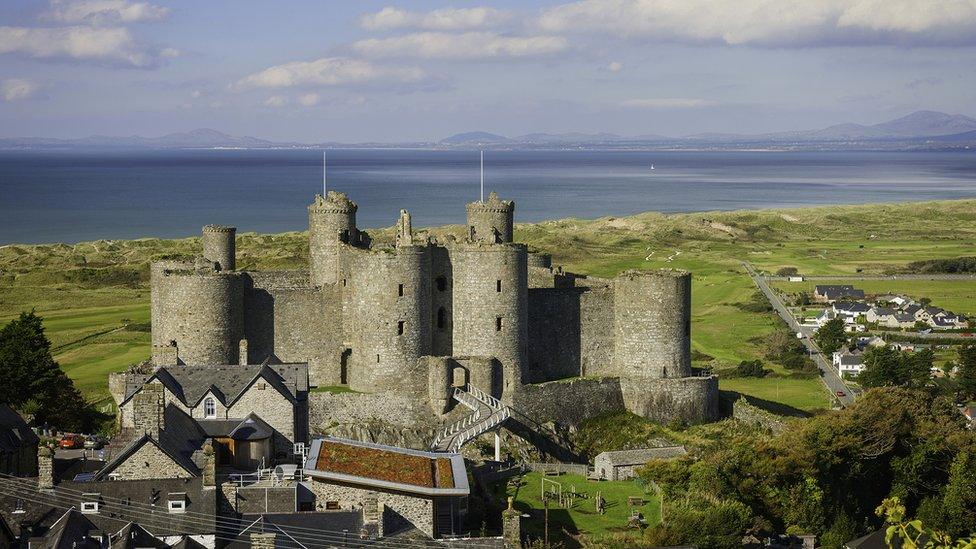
(487, 413)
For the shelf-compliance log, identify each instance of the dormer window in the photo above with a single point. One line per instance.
(176, 502)
(19, 506)
(90, 503)
(209, 408)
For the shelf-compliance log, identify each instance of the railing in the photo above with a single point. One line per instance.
(473, 425)
(480, 428)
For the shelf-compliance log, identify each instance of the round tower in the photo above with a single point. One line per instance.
(199, 309)
(388, 311)
(219, 246)
(489, 305)
(331, 225)
(542, 260)
(491, 220)
(652, 324)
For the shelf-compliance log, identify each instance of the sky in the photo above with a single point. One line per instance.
(396, 71)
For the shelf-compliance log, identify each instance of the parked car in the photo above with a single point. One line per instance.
(72, 441)
(841, 393)
(94, 443)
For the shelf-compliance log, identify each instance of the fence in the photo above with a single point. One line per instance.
(572, 468)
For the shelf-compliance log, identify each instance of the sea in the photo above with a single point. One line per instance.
(80, 196)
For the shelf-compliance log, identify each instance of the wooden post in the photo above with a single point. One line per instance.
(545, 503)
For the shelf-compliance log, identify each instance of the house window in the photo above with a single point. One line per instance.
(441, 318)
(332, 506)
(498, 323)
(209, 408)
(441, 284)
(400, 328)
(498, 285)
(177, 506)
(400, 290)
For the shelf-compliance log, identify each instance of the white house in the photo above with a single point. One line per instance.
(848, 363)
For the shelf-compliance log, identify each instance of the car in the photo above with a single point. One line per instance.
(94, 443)
(841, 394)
(69, 442)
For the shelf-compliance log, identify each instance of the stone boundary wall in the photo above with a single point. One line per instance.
(384, 418)
(747, 413)
(685, 399)
(571, 468)
(569, 401)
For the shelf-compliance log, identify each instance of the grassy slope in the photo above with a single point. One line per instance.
(89, 288)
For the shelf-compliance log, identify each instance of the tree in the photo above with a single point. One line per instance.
(966, 377)
(831, 337)
(885, 366)
(787, 271)
(31, 379)
(750, 368)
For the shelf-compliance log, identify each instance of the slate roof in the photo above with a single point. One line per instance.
(191, 383)
(134, 536)
(850, 360)
(181, 439)
(14, 432)
(70, 532)
(641, 456)
(307, 529)
(851, 307)
(883, 311)
(250, 428)
(912, 309)
(182, 460)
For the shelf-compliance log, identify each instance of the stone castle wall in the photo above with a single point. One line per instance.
(331, 227)
(687, 399)
(652, 324)
(201, 309)
(570, 401)
(219, 246)
(570, 332)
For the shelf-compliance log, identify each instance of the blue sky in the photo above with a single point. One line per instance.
(398, 71)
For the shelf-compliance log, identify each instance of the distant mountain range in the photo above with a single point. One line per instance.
(921, 129)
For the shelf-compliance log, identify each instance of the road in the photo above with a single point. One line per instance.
(880, 277)
(828, 375)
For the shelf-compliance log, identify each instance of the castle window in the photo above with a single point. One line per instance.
(498, 285)
(441, 318)
(498, 323)
(400, 290)
(209, 408)
(400, 328)
(377, 359)
(441, 284)
(343, 281)
(344, 236)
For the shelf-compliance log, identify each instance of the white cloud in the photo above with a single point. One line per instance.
(328, 71)
(103, 44)
(663, 103)
(13, 89)
(392, 17)
(469, 45)
(275, 101)
(104, 11)
(309, 99)
(772, 22)
(615, 66)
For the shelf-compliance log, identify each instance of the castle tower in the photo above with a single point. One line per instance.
(219, 246)
(331, 225)
(387, 304)
(198, 308)
(491, 220)
(652, 324)
(490, 305)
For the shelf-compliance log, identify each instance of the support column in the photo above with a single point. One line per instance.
(498, 447)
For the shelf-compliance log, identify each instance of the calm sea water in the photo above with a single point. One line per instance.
(71, 197)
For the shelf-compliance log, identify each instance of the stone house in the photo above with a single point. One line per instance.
(622, 464)
(18, 445)
(395, 488)
(251, 417)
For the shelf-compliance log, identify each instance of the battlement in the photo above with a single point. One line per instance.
(634, 274)
(493, 204)
(219, 229)
(334, 202)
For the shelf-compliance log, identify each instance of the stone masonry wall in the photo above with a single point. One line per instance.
(149, 462)
(652, 330)
(417, 511)
(687, 399)
(273, 407)
(570, 401)
(385, 418)
(219, 246)
(570, 332)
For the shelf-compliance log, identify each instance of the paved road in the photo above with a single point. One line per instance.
(828, 375)
(880, 277)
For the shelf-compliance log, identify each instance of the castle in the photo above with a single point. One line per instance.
(411, 322)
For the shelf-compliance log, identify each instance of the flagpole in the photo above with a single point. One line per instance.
(323, 174)
(482, 176)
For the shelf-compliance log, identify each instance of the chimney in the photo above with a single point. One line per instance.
(45, 469)
(242, 353)
(147, 410)
(511, 527)
(263, 540)
(209, 466)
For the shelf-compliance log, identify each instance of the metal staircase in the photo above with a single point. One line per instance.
(487, 412)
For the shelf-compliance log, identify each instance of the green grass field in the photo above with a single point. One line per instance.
(86, 290)
(582, 517)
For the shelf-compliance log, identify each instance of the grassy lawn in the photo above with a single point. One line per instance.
(805, 394)
(582, 517)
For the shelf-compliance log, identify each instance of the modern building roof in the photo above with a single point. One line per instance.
(226, 382)
(641, 456)
(387, 467)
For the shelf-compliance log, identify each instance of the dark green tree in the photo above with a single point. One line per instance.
(966, 377)
(831, 337)
(30, 377)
